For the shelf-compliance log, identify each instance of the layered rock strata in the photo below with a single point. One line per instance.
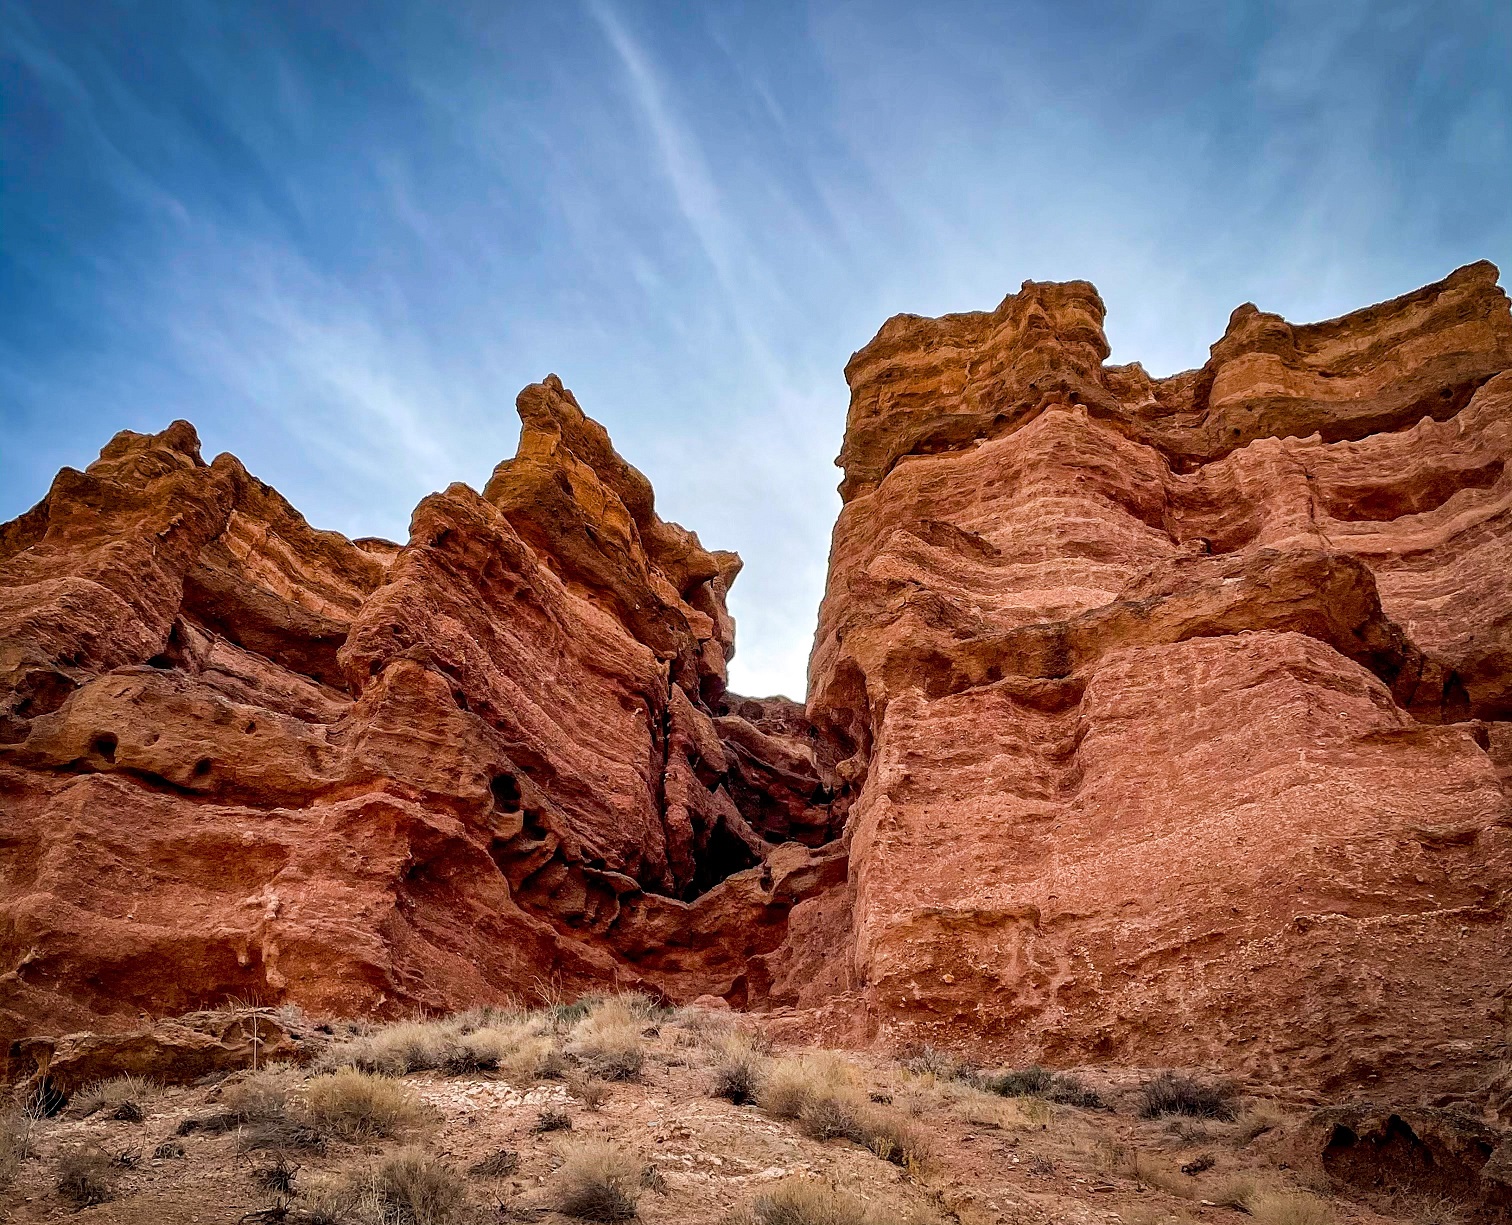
(244, 759)
(1177, 710)
(1165, 721)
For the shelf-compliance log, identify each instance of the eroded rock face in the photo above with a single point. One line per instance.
(244, 759)
(1176, 710)
(1166, 721)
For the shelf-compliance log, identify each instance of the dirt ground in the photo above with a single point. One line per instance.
(991, 1159)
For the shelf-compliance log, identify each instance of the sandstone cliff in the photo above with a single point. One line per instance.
(241, 758)
(1177, 709)
(1165, 721)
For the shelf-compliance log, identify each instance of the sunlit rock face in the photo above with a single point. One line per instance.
(1176, 711)
(241, 758)
(1164, 721)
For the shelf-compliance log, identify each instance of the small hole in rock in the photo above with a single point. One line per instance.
(202, 767)
(104, 745)
(506, 792)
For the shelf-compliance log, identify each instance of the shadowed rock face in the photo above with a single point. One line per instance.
(1177, 709)
(1158, 720)
(242, 758)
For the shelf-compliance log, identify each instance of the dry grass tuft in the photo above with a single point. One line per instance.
(790, 1083)
(1430, 1210)
(260, 1097)
(120, 1097)
(1035, 1081)
(393, 1050)
(356, 1105)
(409, 1187)
(1172, 1093)
(1254, 1121)
(739, 1069)
(845, 1115)
(413, 1188)
(608, 1041)
(589, 1090)
(1238, 1192)
(15, 1145)
(596, 1182)
(802, 1201)
(1152, 1173)
(929, 1060)
(85, 1177)
(1288, 1208)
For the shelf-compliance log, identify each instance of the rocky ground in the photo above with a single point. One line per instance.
(446, 1122)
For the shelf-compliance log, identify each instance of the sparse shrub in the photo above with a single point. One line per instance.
(500, 1164)
(608, 1040)
(125, 1158)
(84, 1177)
(1068, 1090)
(277, 1178)
(353, 1104)
(290, 1134)
(651, 1179)
(893, 1138)
(1171, 1093)
(829, 1118)
(168, 1150)
(596, 1182)
(1254, 1121)
(589, 1090)
(738, 1079)
(552, 1065)
(552, 1119)
(802, 1201)
(1433, 1210)
(118, 1097)
(393, 1050)
(927, 1060)
(1288, 1208)
(1035, 1081)
(563, 1017)
(15, 1144)
(789, 1083)
(413, 1188)
(258, 1097)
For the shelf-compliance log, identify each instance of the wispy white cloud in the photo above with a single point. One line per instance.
(342, 249)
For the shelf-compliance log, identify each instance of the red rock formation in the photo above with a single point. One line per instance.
(240, 758)
(1178, 708)
(1159, 720)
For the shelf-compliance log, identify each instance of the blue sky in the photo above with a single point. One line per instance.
(339, 235)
